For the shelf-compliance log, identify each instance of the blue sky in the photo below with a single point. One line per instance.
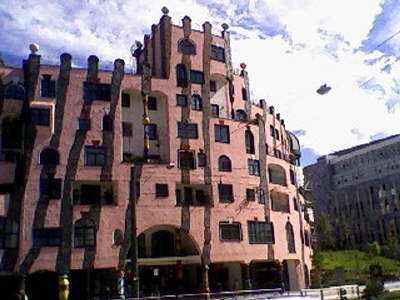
(291, 47)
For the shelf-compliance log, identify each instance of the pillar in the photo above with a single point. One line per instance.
(63, 287)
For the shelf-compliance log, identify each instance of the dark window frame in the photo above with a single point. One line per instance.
(186, 165)
(217, 53)
(186, 46)
(224, 164)
(47, 237)
(253, 166)
(47, 87)
(181, 75)
(84, 233)
(127, 129)
(187, 130)
(196, 102)
(40, 116)
(227, 234)
(213, 86)
(51, 188)
(161, 190)
(225, 193)
(249, 141)
(9, 233)
(125, 100)
(259, 233)
(215, 110)
(152, 131)
(152, 103)
(84, 124)
(250, 195)
(181, 100)
(222, 134)
(196, 77)
(95, 156)
(96, 91)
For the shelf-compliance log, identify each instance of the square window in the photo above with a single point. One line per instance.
(181, 100)
(196, 77)
(40, 116)
(126, 129)
(225, 193)
(186, 159)
(215, 110)
(84, 124)
(126, 100)
(213, 86)
(250, 195)
(95, 156)
(161, 190)
(187, 130)
(260, 232)
(222, 133)
(230, 231)
(152, 103)
(217, 53)
(152, 131)
(50, 188)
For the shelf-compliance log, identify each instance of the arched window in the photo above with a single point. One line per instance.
(249, 139)
(8, 233)
(290, 238)
(186, 46)
(240, 115)
(84, 233)
(162, 244)
(277, 174)
(49, 156)
(197, 102)
(181, 76)
(224, 164)
(14, 91)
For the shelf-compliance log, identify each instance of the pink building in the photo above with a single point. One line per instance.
(176, 155)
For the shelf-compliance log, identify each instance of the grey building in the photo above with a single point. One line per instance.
(359, 190)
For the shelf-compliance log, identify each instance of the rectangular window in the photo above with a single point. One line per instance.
(280, 202)
(202, 159)
(47, 87)
(217, 53)
(254, 167)
(272, 130)
(213, 86)
(181, 100)
(47, 237)
(225, 192)
(126, 129)
(152, 131)
(277, 134)
(295, 204)
(84, 124)
(11, 133)
(260, 232)
(222, 133)
(152, 103)
(96, 91)
(250, 195)
(307, 238)
(93, 193)
(50, 188)
(187, 130)
(40, 116)
(8, 233)
(244, 94)
(230, 231)
(196, 77)
(161, 190)
(261, 196)
(126, 100)
(186, 159)
(95, 156)
(215, 110)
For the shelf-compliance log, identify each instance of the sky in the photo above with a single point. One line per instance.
(290, 47)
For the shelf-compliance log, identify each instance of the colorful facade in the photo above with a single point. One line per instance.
(176, 154)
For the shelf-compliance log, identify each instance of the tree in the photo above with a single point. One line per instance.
(324, 232)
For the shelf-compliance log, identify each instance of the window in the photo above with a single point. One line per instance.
(244, 94)
(202, 159)
(49, 156)
(181, 100)
(161, 190)
(295, 204)
(196, 77)
(224, 164)
(215, 110)
(217, 53)
(191, 195)
(197, 102)
(152, 103)
(240, 115)
(107, 123)
(96, 91)
(47, 237)
(277, 174)
(187, 130)
(230, 231)
(290, 238)
(14, 91)
(307, 238)
(84, 124)
(50, 188)
(260, 232)
(250, 195)
(11, 133)
(280, 202)
(186, 46)
(152, 131)
(48, 87)
(221, 133)
(254, 167)
(95, 156)
(186, 159)
(126, 100)
(277, 134)
(8, 233)
(213, 86)
(261, 196)
(181, 76)
(249, 140)
(272, 130)
(90, 193)
(292, 177)
(40, 116)
(84, 233)
(225, 192)
(127, 129)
